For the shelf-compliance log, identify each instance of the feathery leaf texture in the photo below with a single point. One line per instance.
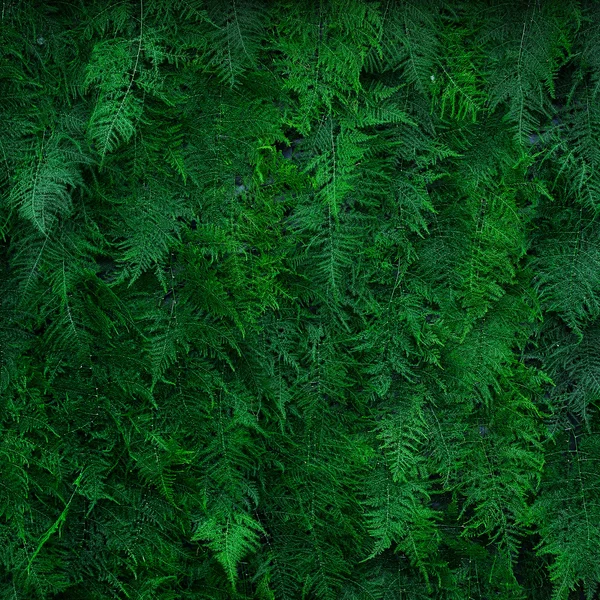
(299, 300)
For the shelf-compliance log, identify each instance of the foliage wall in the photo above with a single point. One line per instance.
(299, 299)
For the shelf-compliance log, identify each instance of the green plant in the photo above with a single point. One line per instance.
(299, 300)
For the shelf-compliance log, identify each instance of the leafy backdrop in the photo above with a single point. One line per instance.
(299, 300)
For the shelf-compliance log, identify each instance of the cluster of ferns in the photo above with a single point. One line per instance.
(299, 300)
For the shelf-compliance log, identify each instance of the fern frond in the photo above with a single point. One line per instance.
(111, 71)
(42, 186)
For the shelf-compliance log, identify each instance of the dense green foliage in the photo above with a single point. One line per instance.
(299, 300)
